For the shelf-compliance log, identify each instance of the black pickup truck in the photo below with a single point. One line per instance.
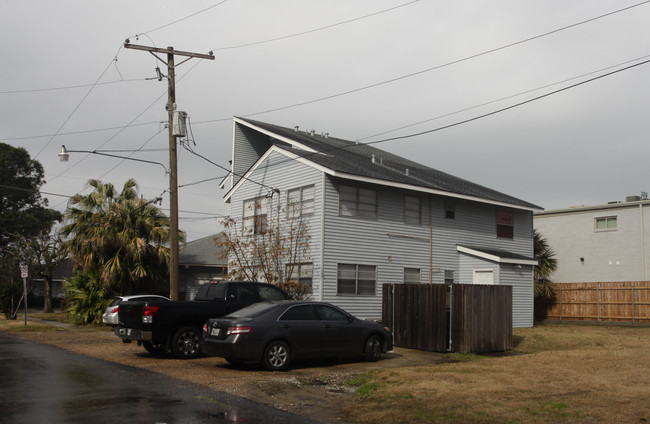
(160, 326)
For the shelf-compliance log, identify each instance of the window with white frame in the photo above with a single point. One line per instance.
(356, 279)
(301, 273)
(412, 210)
(300, 202)
(606, 223)
(255, 216)
(412, 275)
(357, 202)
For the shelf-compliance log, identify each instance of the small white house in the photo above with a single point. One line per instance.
(600, 243)
(374, 217)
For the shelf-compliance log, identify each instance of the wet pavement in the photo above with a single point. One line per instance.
(45, 384)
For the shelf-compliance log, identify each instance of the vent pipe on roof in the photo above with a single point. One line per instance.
(407, 172)
(372, 158)
(296, 128)
(312, 132)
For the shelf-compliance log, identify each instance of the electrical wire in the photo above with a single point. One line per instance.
(433, 68)
(79, 104)
(297, 34)
(499, 100)
(182, 19)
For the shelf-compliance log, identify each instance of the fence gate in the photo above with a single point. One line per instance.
(459, 317)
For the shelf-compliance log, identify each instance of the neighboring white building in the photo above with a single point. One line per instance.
(374, 217)
(600, 243)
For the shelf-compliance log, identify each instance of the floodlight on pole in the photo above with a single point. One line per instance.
(64, 156)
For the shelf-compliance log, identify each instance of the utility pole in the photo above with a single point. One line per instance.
(173, 172)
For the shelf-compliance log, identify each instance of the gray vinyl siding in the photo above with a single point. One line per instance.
(387, 242)
(390, 245)
(522, 292)
(249, 146)
(280, 172)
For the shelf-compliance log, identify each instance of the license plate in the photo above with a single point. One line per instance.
(215, 332)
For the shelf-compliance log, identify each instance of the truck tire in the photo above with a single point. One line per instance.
(185, 343)
(154, 349)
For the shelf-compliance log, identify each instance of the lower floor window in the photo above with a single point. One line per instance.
(356, 279)
(301, 273)
(412, 275)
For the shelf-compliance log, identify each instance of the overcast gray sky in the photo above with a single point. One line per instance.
(407, 66)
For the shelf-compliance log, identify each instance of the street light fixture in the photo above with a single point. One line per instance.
(64, 156)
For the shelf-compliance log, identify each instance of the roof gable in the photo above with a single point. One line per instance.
(347, 159)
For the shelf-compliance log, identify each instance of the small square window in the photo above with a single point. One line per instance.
(606, 223)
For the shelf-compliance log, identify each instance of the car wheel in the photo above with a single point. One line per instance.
(154, 348)
(373, 348)
(277, 356)
(185, 343)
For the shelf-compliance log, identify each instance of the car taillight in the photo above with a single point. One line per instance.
(115, 310)
(205, 327)
(148, 313)
(238, 330)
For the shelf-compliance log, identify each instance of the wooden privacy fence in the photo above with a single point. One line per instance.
(609, 301)
(464, 318)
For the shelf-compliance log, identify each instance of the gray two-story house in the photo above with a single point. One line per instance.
(374, 217)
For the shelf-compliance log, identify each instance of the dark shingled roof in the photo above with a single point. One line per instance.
(203, 251)
(349, 157)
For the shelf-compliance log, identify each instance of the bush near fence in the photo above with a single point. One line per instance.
(625, 301)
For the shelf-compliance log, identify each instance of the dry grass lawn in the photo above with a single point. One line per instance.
(567, 374)
(560, 373)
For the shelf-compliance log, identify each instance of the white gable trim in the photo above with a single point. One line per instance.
(494, 258)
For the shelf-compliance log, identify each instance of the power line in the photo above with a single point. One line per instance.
(182, 19)
(297, 34)
(500, 99)
(433, 68)
(465, 121)
(79, 104)
(70, 87)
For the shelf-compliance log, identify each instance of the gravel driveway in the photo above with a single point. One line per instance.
(313, 389)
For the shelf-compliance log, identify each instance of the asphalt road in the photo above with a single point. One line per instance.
(45, 384)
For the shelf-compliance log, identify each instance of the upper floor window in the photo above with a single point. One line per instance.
(357, 202)
(412, 210)
(450, 211)
(356, 279)
(255, 216)
(300, 202)
(505, 224)
(606, 223)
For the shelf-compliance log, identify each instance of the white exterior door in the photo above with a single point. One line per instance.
(483, 276)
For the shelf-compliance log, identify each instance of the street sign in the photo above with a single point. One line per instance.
(23, 271)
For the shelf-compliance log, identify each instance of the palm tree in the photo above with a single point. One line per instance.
(120, 235)
(546, 265)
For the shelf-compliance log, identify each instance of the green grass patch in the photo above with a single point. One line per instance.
(463, 357)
